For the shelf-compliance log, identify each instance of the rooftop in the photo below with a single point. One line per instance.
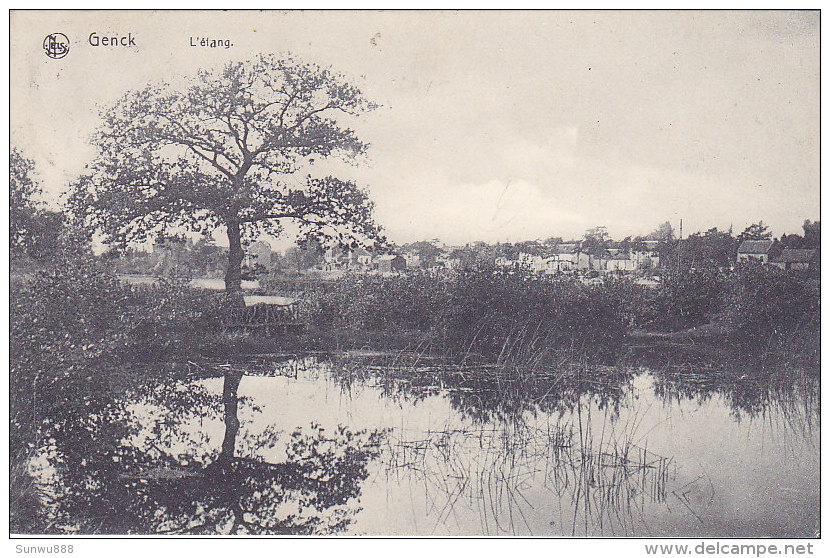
(755, 246)
(794, 255)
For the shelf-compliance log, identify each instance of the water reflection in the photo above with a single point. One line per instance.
(148, 463)
(432, 449)
(604, 452)
(590, 485)
(787, 401)
(486, 394)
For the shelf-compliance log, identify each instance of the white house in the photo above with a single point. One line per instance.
(532, 262)
(559, 263)
(759, 250)
(621, 262)
(258, 253)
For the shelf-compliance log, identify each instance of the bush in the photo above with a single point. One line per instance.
(688, 299)
(765, 305)
(73, 322)
(636, 304)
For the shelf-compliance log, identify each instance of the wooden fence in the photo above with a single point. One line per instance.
(270, 315)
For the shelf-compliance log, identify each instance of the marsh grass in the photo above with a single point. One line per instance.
(476, 315)
(603, 480)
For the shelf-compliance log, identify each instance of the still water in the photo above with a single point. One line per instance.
(366, 447)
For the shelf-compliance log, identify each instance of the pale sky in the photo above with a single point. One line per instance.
(495, 126)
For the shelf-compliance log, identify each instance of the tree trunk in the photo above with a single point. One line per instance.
(233, 275)
(230, 399)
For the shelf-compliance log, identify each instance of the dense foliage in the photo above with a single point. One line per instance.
(73, 323)
(510, 317)
(79, 337)
(22, 206)
(771, 310)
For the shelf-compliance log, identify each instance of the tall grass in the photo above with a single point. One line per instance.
(479, 315)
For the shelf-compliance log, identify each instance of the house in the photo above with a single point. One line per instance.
(391, 262)
(532, 262)
(558, 263)
(592, 262)
(359, 258)
(758, 250)
(448, 261)
(792, 259)
(334, 258)
(621, 261)
(258, 253)
(646, 255)
(567, 256)
(645, 259)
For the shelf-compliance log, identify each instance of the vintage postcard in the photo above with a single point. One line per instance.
(416, 274)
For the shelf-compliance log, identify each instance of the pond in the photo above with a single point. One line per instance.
(365, 445)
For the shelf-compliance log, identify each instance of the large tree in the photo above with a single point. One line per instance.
(812, 234)
(712, 249)
(596, 240)
(226, 151)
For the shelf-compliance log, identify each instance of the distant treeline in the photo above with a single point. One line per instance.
(710, 249)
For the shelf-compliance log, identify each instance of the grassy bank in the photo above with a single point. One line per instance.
(77, 312)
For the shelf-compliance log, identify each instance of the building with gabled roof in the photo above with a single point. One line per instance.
(796, 259)
(759, 250)
(389, 263)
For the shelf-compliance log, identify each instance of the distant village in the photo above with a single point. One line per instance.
(594, 255)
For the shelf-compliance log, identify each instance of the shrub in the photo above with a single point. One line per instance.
(765, 305)
(688, 298)
(637, 305)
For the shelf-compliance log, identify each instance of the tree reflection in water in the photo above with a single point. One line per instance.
(788, 402)
(144, 464)
(486, 394)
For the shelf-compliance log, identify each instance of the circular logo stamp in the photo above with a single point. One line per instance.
(56, 45)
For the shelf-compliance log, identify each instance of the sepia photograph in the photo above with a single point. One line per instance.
(361, 273)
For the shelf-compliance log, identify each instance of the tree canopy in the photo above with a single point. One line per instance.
(596, 240)
(226, 151)
(664, 233)
(22, 207)
(812, 234)
(755, 231)
(34, 231)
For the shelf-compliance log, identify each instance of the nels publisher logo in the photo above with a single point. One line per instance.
(56, 45)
